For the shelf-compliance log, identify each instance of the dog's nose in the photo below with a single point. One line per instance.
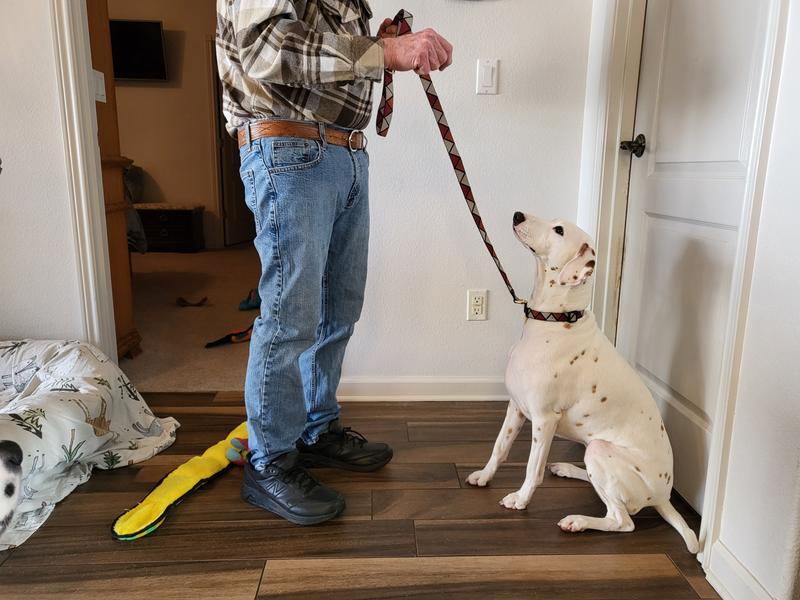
(518, 218)
(10, 452)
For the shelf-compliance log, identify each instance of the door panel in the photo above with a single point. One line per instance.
(688, 265)
(707, 58)
(697, 81)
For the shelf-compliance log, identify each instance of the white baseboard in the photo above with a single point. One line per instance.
(422, 388)
(731, 578)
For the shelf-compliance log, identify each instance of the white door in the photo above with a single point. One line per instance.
(700, 74)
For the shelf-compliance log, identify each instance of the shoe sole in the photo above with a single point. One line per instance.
(257, 499)
(314, 460)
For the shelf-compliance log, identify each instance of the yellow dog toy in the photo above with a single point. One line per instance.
(151, 512)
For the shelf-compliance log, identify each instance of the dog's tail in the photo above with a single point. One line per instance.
(674, 518)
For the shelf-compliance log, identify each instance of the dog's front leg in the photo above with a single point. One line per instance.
(544, 429)
(508, 433)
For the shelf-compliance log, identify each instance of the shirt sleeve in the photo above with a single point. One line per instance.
(276, 46)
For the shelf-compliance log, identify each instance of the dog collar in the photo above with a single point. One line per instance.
(566, 317)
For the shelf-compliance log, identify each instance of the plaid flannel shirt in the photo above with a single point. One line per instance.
(297, 59)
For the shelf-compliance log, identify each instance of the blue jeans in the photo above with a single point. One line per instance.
(311, 208)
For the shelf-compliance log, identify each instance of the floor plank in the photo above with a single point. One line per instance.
(392, 476)
(215, 540)
(232, 397)
(206, 430)
(477, 452)
(4, 554)
(689, 567)
(176, 580)
(551, 503)
(496, 537)
(201, 431)
(194, 399)
(203, 422)
(512, 476)
(218, 500)
(467, 431)
(591, 577)
(141, 479)
(426, 410)
(177, 410)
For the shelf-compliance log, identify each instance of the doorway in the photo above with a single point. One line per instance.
(181, 175)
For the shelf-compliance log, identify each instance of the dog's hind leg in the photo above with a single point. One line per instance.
(609, 473)
(616, 519)
(508, 433)
(569, 470)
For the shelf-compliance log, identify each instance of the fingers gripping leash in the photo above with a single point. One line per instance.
(403, 21)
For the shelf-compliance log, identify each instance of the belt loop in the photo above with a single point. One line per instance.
(248, 138)
(323, 138)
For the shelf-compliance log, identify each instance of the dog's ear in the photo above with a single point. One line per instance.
(578, 269)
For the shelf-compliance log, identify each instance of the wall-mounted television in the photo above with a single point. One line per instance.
(137, 48)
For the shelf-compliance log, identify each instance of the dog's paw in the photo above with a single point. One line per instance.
(515, 500)
(561, 469)
(479, 478)
(573, 523)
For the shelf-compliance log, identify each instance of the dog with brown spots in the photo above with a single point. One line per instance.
(568, 380)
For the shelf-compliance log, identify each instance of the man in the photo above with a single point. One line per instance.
(297, 81)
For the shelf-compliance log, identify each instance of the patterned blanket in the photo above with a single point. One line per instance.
(71, 409)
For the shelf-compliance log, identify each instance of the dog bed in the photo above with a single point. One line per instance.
(71, 409)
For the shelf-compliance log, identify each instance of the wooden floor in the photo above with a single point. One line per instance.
(413, 529)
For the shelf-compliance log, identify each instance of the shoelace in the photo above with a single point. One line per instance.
(350, 435)
(302, 478)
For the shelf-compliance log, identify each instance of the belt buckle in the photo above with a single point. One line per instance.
(350, 140)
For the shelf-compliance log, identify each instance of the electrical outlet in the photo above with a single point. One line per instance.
(477, 305)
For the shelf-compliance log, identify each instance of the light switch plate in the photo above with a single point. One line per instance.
(487, 76)
(99, 86)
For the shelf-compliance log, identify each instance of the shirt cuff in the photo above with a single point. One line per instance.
(368, 58)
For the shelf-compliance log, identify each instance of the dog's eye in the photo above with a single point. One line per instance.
(559, 230)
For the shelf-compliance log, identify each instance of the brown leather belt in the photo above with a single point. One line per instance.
(352, 139)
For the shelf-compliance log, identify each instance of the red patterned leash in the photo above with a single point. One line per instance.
(403, 21)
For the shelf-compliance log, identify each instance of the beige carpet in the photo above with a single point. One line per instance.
(173, 357)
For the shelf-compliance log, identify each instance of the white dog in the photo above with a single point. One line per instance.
(568, 380)
(10, 476)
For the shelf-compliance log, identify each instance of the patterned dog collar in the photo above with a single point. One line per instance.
(566, 317)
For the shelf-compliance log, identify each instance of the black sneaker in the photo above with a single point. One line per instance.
(286, 489)
(343, 448)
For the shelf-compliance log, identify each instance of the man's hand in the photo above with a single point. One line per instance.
(422, 52)
(387, 29)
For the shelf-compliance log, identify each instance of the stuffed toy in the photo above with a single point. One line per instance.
(151, 512)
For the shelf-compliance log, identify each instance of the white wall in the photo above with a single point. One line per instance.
(760, 524)
(522, 152)
(522, 149)
(39, 294)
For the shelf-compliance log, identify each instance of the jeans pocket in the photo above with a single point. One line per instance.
(293, 155)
